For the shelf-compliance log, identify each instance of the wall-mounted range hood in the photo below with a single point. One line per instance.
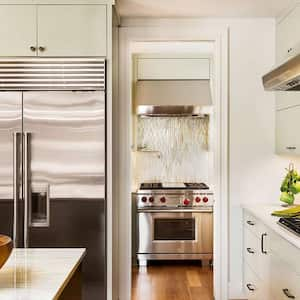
(157, 98)
(286, 77)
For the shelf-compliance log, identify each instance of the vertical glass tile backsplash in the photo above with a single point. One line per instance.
(180, 149)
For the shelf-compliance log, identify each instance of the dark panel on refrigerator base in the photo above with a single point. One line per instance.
(78, 223)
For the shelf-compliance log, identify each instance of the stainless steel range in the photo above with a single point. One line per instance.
(174, 221)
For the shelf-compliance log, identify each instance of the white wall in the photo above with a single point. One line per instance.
(255, 171)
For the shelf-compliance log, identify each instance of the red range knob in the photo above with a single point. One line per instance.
(163, 199)
(205, 199)
(186, 202)
(144, 199)
(198, 199)
(151, 199)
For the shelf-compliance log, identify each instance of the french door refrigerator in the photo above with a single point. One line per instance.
(52, 159)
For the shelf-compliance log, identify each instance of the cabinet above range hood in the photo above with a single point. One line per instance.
(285, 77)
(158, 98)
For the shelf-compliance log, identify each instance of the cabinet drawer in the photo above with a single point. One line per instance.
(254, 225)
(251, 223)
(285, 282)
(287, 252)
(253, 286)
(259, 261)
(251, 249)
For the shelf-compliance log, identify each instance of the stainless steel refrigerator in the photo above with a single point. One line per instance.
(52, 159)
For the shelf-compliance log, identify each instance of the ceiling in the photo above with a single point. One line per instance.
(202, 8)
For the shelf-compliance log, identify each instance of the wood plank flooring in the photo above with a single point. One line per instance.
(172, 282)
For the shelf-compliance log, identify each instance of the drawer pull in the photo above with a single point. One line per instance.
(263, 243)
(250, 250)
(288, 294)
(250, 223)
(251, 287)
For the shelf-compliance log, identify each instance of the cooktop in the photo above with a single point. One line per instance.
(291, 224)
(185, 185)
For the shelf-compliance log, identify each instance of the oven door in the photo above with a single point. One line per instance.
(174, 232)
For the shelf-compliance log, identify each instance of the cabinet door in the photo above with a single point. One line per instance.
(287, 35)
(253, 286)
(173, 68)
(72, 30)
(287, 135)
(18, 30)
(284, 281)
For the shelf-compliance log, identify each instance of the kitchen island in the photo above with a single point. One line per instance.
(42, 274)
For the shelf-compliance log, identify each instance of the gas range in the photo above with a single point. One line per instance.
(174, 195)
(174, 221)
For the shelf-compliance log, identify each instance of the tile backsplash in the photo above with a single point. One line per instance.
(172, 149)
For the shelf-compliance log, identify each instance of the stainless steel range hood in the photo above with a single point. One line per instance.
(157, 98)
(286, 77)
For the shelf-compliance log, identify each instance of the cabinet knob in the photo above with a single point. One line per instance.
(250, 223)
(42, 49)
(32, 48)
(288, 294)
(250, 250)
(250, 287)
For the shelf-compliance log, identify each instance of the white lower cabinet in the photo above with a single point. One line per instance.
(271, 267)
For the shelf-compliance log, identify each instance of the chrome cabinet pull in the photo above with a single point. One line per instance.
(250, 250)
(262, 243)
(251, 287)
(288, 294)
(32, 48)
(250, 223)
(42, 49)
(16, 184)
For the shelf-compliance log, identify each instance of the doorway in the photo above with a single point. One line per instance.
(131, 46)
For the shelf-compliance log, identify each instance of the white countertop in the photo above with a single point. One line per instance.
(38, 274)
(263, 213)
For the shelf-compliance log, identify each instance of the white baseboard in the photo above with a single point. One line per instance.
(236, 292)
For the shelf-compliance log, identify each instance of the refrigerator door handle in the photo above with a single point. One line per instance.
(27, 184)
(16, 184)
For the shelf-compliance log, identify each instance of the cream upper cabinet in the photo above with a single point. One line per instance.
(18, 30)
(53, 30)
(72, 30)
(287, 136)
(173, 68)
(288, 38)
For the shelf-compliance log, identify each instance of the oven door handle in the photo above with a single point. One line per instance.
(174, 210)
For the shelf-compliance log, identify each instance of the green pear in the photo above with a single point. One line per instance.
(296, 187)
(287, 198)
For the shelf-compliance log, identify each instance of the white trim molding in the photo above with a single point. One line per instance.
(128, 37)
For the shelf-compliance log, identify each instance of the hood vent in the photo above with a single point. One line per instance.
(157, 98)
(286, 77)
(52, 74)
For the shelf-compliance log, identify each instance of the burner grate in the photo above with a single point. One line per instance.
(292, 224)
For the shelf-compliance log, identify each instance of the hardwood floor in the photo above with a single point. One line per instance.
(180, 281)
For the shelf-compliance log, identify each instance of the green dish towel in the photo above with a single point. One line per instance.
(287, 213)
